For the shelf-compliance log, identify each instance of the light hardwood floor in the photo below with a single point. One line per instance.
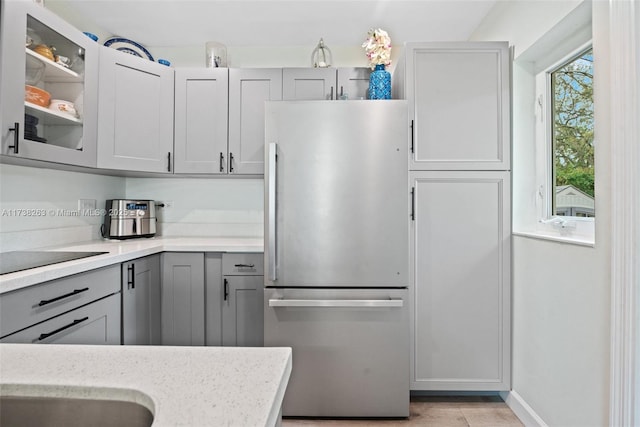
(476, 411)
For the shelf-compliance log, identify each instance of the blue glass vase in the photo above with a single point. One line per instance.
(380, 83)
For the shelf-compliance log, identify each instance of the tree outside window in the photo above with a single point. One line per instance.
(572, 133)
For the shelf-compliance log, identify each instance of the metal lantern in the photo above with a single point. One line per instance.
(321, 56)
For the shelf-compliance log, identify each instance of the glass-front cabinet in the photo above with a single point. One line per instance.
(48, 85)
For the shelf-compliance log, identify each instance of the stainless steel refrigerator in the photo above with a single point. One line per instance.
(337, 212)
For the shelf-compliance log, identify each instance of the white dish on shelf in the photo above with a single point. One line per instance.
(52, 116)
(128, 46)
(64, 107)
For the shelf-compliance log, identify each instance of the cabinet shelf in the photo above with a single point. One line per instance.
(51, 117)
(54, 71)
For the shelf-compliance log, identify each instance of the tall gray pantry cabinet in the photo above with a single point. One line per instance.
(459, 106)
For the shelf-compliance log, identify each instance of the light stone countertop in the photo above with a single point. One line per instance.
(122, 251)
(181, 386)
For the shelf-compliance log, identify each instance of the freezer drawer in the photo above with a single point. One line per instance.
(350, 350)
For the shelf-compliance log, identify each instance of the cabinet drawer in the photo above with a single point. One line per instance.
(95, 323)
(28, 306)
(242, 264)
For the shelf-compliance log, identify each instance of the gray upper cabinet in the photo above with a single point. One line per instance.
(201, 112)
(141, 301)
(183, 298)
(300, 84)
(353, 83)
(34, 131)
(248, 90)
(460, 105)
(135, 130)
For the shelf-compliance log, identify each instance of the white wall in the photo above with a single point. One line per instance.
(230, 207)
(561, 292)
(39, 207)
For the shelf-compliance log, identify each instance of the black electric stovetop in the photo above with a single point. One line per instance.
(10, 262)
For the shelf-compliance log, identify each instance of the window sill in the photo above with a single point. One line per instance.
(541, 235)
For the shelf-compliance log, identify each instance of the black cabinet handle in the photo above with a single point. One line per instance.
(70, 294)
(226, 289)
(16, 137)
(230, 162)
(169, 161)
(221, 162)
(412, 137)
(74, 323)
(331, 94)
(413, 204)
(131, 276)
(245, 265)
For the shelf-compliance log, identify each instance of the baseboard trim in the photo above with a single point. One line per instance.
(522, 409)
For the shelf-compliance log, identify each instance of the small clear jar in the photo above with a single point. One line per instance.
(216, 54)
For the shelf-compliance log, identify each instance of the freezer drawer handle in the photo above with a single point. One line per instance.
(271, 213)
(348, 303)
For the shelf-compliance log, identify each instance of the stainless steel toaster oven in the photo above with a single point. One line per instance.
(126, 219)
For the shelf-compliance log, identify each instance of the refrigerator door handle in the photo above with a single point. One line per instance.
(347, 303)
(271, 215)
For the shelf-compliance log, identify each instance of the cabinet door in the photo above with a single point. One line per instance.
(35, 131)
(242, 311)
(248, 90)
(141, 301)
(182, 298)
(213, 294)
(461, 295)
(301, 84)
(135, 130)
(353, 83)
(201, 110)
(95, 323)
(460, 104)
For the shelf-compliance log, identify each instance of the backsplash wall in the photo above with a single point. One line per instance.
(39, 207)
(204, 207)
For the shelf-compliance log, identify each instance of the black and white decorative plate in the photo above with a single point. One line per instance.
(128, 46)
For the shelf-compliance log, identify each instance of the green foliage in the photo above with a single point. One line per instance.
(573, 123)
(580, 177)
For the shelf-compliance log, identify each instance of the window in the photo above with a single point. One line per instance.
(565, 148)
(572, 163)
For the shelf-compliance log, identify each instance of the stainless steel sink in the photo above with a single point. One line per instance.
(69, 412)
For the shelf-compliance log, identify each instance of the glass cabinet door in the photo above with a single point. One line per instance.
(49, 87)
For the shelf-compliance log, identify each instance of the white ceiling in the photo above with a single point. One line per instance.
(178, 23)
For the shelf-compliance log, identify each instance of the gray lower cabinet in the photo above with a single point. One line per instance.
(141, 301)
(182, 296)
(95, 323)
(79, 309)
(234, 294)
(242, 311)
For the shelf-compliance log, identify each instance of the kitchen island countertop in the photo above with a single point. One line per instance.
(122, 251)
(185, 386)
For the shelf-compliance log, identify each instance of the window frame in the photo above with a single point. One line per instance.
(572, 229)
